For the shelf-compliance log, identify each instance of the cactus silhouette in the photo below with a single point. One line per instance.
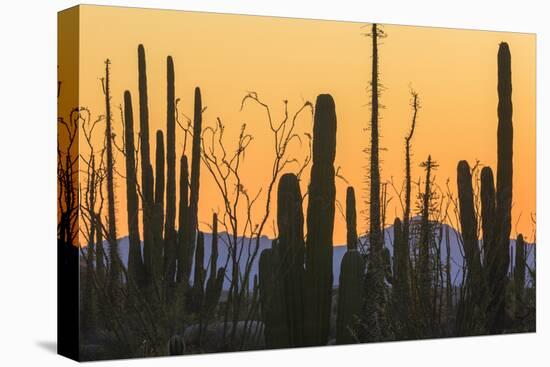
(158, 210)
(351, 280)
(195, 181)
(351, 219)
(290, 222)
(320, 222)
(183, 254)
(499, 257)
(271, 298)
(146, 171)
(468, 220)
(170, 252)
(135, 262)
(470, 305)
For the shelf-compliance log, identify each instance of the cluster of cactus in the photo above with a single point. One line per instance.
(135, 262)
(168, 253)
(320, 223)
(296, 300)
(487, 283)
(282, 271)
(272, 298)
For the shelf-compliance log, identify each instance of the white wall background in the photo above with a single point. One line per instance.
(28, 186)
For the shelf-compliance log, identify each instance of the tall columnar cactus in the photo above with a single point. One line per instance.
(499, 262)
(115, 271)
(135, 263)
(158, 210)
(487, 213)
(195, 178)
(271, 299)
(401, 291)
(290, 222)
(184, 269)
(351, 219)
(351, 280)
(320, 223)
(468, 221)
(470, 307)
(519, 271)
(169, 226)
(147, 180)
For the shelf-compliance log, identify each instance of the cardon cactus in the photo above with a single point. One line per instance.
(183, 269)
(176, 346)
(351, 280)
(158, 211)
(351, 219)
(470, 314)
(169, 225)
(290, 222)
(271, 299)
(135, 263)
(320, 223)
(195, 180)
(499, 261)
(147, 180)
(468, 221)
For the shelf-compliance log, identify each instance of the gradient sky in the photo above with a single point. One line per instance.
(454, 72)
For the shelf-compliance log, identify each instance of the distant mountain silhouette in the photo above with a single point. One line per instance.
(338, 254)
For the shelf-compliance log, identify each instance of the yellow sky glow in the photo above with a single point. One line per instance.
(454, 72)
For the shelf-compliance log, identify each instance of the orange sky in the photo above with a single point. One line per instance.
(454, 71)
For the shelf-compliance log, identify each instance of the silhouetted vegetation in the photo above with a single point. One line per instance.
(182, 290)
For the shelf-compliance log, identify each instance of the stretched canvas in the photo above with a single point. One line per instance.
(231, 182)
